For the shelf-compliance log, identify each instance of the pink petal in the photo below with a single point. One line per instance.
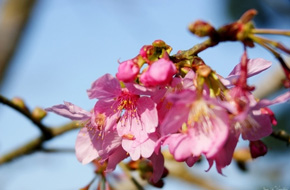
(255, 66)
(70, 111)
(158, 166)
(147, 148)
(261, 126)
(224, 157)
(280, 99)
(131, 148)
(115, 158)
(190, 161)
(174, 119)
(146, 108)
(85, 151)
(106, 87)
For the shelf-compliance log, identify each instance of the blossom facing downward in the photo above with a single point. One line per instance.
(200, 127)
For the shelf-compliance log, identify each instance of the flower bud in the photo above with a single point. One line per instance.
(201, 29)
(258, 148)
(38, 113)
(159, 73)
(128, 71)
(19, 103)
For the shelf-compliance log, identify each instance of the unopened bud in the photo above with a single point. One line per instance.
(258, 148)
(248, 16)
(19, 103)
(202, 28)
(159, 43)
(38, 113)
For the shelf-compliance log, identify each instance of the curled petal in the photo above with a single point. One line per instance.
(70, 111)
(255, 66)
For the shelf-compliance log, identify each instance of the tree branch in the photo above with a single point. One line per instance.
(281, 135)
(13, 18)
(36, 143)
(46, 132)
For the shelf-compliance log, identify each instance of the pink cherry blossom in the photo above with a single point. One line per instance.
(178, 84)
(194, 125)
(251, 118)
(135, 114)
(255, 66)
(92, 141)
(159, 73)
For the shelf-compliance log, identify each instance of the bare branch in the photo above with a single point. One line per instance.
(15, 14)
(45, 130)
(281, 135)
(36, 143)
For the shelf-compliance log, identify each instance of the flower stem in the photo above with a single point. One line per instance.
(128, 174)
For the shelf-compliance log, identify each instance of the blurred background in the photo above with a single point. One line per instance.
(52, 50)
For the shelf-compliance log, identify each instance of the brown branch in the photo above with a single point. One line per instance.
(13, 18)
(281, 135)
(46, 132)
(36, 143)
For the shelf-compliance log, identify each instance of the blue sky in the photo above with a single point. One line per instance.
(70, 43)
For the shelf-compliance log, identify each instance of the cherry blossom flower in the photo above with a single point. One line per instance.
(135, 115)
(194, 125)
(93, 141)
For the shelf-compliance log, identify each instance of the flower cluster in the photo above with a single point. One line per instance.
(157, 102)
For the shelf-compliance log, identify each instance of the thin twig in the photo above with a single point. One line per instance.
(36, 143)
(128, 174)
(281, 135)
(46, 132)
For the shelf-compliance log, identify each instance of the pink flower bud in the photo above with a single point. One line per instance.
(159, 73)
(257, 148)
(128, 71)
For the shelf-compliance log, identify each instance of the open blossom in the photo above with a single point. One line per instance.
(177, 85)
(194, 125)
(92, 141)
(135, 115)
(251, 119)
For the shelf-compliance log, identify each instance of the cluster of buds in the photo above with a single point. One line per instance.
(177, 102)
